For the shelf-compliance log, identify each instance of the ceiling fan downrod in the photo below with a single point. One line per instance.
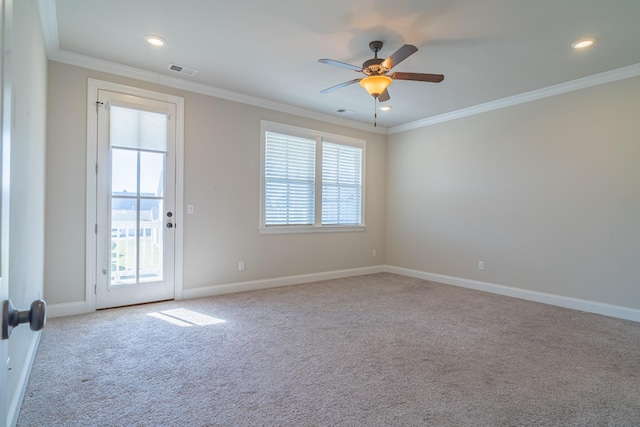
(375, 47)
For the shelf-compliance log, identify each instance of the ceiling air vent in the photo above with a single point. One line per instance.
(344, 111)
(182, 70)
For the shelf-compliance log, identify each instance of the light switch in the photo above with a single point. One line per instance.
(191, 208)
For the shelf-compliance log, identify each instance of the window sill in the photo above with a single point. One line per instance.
(293, 229)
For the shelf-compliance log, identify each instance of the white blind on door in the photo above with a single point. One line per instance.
(137, 129)
(341, 184)
(289, 179)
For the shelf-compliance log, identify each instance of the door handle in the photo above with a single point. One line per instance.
(11, 318)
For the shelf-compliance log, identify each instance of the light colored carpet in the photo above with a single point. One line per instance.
(377, 350)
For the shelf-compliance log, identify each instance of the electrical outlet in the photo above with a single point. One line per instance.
(241, 266)
(374, 253)
(480, 265)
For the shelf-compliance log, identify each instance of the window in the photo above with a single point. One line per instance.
(311, 181)
(289, 176)
(341, 183)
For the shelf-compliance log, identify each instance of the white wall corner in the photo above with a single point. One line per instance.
(595, 307)
(49, 23)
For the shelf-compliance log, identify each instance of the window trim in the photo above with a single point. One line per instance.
(317, 227)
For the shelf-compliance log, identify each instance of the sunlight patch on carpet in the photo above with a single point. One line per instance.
(186, 318)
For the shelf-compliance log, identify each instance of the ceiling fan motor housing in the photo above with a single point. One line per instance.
(372, 67)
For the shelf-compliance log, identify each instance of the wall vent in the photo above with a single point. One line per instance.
(182, 70)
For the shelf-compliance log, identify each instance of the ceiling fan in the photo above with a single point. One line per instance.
(377, 80)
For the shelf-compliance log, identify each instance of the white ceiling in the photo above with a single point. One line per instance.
(269, 49)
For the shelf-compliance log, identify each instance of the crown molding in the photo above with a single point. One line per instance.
(585, 82)
(91, 63)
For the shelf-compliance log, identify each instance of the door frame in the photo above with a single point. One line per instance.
(92, 181)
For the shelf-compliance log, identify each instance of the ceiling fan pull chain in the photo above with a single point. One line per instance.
(375, 112)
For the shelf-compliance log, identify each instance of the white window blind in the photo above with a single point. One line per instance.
(289, 174)
(138, 129)
(341, 184)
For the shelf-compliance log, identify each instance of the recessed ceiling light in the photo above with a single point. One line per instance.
(156, 41)
(385, 108)
(583, 43)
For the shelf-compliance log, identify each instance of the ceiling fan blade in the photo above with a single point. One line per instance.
(399, 55)
(419, 77)
(384, 96)
(341, 85)
(340, 64)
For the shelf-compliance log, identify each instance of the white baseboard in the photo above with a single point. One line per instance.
(13, 411)
(253, 285)
(66, 309)
(617, 311)
(620, 312)
(81, 307)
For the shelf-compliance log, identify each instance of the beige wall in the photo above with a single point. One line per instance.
(222, 155)
(546, 193)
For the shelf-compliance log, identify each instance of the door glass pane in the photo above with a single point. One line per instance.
(151, 174)
(151, 240)
(137, 189)
(124, 242)
(124, 172)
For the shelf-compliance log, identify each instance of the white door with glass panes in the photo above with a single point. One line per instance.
(135, 199)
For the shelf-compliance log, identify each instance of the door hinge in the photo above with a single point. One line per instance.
(98, 104)
(96, 229)
(95, 289)
(96, 168)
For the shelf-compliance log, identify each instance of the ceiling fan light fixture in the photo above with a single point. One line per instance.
(375, 85)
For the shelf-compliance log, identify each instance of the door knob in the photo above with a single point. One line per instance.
(35, 316)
